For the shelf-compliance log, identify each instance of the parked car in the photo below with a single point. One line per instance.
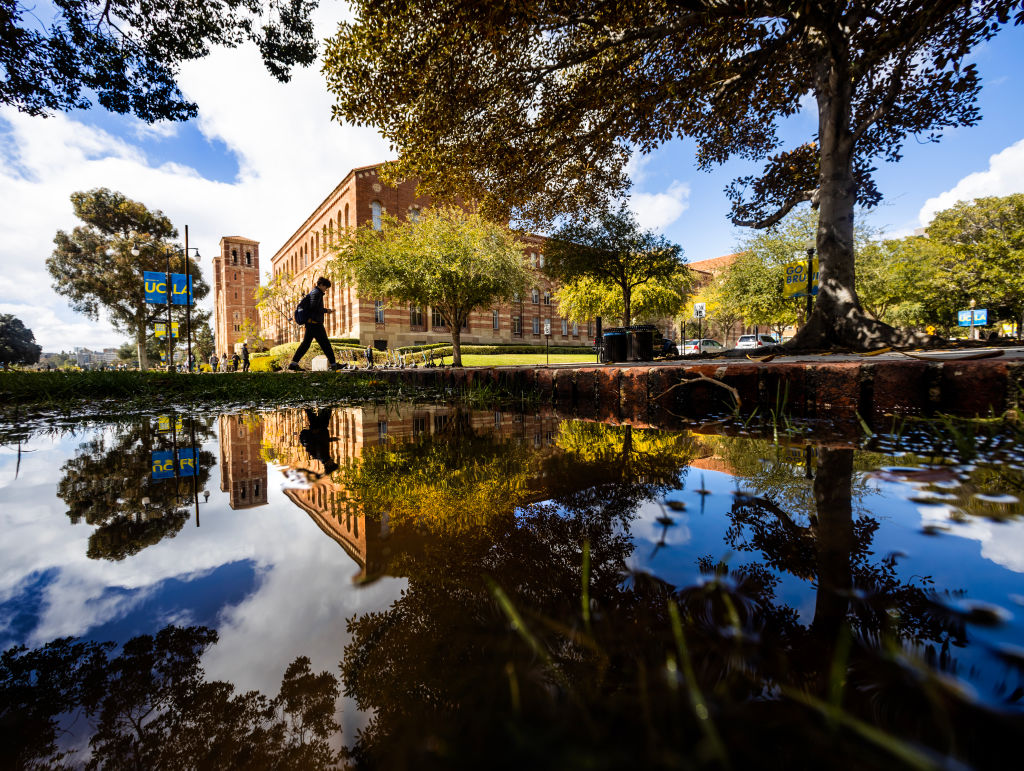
(702, 346)
(755, 341)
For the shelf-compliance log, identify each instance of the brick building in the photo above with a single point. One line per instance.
(236, 276)
(362, 198)
(243, 471)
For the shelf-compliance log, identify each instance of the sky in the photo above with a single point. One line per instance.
(261, 155)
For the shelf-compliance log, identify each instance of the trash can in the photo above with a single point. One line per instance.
(642, 341)
(616, 344)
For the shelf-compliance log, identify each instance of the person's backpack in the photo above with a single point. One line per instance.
(302, 311)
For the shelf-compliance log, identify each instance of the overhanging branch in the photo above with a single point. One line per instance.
(767, 222)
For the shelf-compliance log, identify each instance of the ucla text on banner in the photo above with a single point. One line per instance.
(980, 317)
(159, 330)
(181, 289)
(187, 462)
(163, 464)
(796, 279)
(156, 287)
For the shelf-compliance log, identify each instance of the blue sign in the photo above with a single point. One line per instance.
(187, 462)
(181, 289)
(963, 318)
(163, 464)
(156, 287)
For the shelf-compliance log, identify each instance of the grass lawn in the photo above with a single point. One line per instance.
(513, 359)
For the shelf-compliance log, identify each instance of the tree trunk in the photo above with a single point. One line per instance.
(626, 302)
(140, 343)
(833, 504)
(456, 332)
(837, 318)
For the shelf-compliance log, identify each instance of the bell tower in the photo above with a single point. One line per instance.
(236, 274)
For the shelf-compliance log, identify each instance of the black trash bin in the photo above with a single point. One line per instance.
(616, 344)
(642, 339)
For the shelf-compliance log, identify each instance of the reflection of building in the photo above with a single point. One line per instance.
(243, 472)
(329, 504)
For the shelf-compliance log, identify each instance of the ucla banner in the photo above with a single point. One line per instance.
(181, 289)
(796, 279)
(156, 287)
(159, 330)
(187, 462)
(163, 464)
(163, 424)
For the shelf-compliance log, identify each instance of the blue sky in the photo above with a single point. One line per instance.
(261, 155)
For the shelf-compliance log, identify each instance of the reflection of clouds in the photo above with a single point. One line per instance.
(647, 533)
(1001, 542)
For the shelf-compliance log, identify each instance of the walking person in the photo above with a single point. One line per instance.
(213, 362)
(369, 357)
(224, 362)
(234, 361)
(314, 326)
(191, 362)
(245, 357)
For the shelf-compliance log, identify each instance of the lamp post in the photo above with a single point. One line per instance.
(188, 289)
(971, 336)
(809, 246)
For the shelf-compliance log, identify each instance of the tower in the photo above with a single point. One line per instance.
(243, 472)
(236, 274)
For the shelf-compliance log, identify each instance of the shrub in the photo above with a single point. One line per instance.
(263, 362)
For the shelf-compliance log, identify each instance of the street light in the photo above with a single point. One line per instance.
(809, 247)
(188, 288)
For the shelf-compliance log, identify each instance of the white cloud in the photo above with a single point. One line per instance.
(1005, 175)
(290, 156)
(659, 210)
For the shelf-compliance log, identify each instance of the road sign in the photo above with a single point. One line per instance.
(930, 329)
(547, 327)
(796, 279)
(963, 318)
(699, 310)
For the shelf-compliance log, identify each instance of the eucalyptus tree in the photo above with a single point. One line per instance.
(534, 108)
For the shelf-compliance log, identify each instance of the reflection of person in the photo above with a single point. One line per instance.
(316, 440)
(245, 357)
(314, 326)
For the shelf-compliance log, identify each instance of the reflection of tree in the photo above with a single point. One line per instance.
(151, 707)
(107, 485)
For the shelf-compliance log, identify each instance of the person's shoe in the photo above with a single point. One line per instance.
(294, 366)
(335, 367)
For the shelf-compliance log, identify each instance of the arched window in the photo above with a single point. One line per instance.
(535, 296)
(346, 218)
(234, 256)
(414, 214)
(248, 258)
(375, 211)
(316, 247)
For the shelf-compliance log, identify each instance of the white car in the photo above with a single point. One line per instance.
(755, 341)
(701, 346)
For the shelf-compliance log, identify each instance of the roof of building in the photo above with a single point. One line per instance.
(239, 238)
(715, 265)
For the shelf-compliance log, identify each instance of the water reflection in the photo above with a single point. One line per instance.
(561, 592)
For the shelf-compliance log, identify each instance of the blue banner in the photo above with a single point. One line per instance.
(181, 289)
(163, 464)
(187, 462)
(156, 287)
(963, 318)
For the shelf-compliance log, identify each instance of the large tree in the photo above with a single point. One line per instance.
(17, 343)
(126, 53)
(449, 259)
(535, 107)
(93, 265)
(602, 260)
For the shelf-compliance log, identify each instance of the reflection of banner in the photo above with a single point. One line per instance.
(187, 462)
(181, 289)
(156, 287)
(163, 423)
(163, 464)
(796, 279)
(161, 329)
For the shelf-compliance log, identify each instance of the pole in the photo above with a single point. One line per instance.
(810, 275)
(188, 308)
(167, 286)
(195, 455)
(547, 359)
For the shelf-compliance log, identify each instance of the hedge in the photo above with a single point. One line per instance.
(492, 350)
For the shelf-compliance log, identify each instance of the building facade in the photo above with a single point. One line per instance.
(360, 199)
(243, 471)
(236, 277)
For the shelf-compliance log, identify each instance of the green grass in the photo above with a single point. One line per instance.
(517, 359)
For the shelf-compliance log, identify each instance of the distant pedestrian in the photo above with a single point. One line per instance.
(213, 362)
(224, 362)
(191, 362)
(369, 356)
(245, 357)
(234, 361)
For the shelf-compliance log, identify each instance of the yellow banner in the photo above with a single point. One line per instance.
(796, 279)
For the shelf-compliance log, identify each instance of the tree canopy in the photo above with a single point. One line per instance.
(17, 343)
(603, 260)
(93, 280)
(126, 53)
(450, 259)
(535, 108)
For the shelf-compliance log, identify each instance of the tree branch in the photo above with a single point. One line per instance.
(767, 222)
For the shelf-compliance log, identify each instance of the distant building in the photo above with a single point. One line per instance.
(236, 276)
(87, 359)
(243, 471)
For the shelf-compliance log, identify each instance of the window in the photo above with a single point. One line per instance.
(415, 316)
(414, 214)
(542, 260)
(495, 322)
(565, 327)
(535, 296)
(378, 311)
(497, 419)
(575, 329)
(375, 212)
(515, 297)
(436, 319)
(590, 329)
(547, 297)
(382, 431)
(517, 325)
(536, 325)
(419, 426)
(248, 259)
